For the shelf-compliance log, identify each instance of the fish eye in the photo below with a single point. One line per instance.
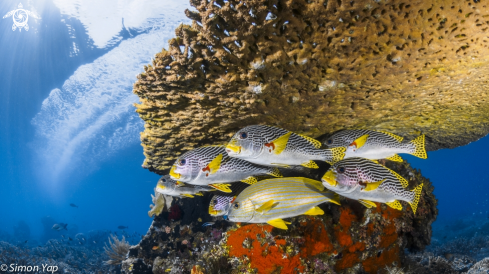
(182, 162)
(329, 142)
(243, 135)
(341, 169)
(236, 205)
(163, 180)
(214, 202)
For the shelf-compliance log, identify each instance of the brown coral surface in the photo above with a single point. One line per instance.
(347, 239)
(316, 67)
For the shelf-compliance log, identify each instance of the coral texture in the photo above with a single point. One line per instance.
(316, 67)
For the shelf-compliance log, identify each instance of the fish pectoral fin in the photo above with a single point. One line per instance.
(395, 158)
(281, 143)
(279, 223)
(215, 164)
(360, 141)
(367, 203)
(373, 186)
(310, 164)
(188, 195)
(250, 180)
(222, 187)
(314, 211)
(178, 183)
(316, 184)
(199, 194)
(395, 205)
(266, 206)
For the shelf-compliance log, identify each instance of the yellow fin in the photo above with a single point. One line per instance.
(398, 138)
(215, 164)
(199, 194)
(367, 203)
(314, 211)
(275, 173)
(360, 141)
(178, 183)
(417, 195)
(338, 154)
(279, 223)
(335, 199)
(222, 187)
(281, 143)
(313, 141)
(316, 184)
(188, 195)
(395, 205)
(395, 158)
(419, 147)
(403, 181)
(373, 186)
(310, 164)
(266, 206)
(250, 180)
(375, 161)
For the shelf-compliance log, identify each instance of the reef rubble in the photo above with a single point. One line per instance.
(347, 239)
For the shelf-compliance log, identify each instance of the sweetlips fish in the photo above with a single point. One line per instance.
(269, 201)
(166, 185)
(368, 182)
(211, 165)
(266, 145)
(221, 203)
(376, 144)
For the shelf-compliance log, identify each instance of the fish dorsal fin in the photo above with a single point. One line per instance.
(397, 137)
(266, 206)
(367, 203)
(395, 205)
(310, 164)
(188, 195)
(279, 223)
(280, 143)
(222, 187)
(360, 141)
(314, 211)
(214, 165)
(403, 181)
(373, 185)
(313, 141)
(275, 173)
(250, 180)
(395, 158)
(314, 183)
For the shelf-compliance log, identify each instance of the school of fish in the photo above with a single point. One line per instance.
(250, 187)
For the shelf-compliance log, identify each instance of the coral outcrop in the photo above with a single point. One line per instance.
(316, 67)
(346, 239)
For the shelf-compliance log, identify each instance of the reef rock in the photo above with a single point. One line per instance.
(316, 67)
(346, 239)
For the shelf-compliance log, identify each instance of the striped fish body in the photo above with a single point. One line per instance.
(166, 185)
(375, 145)
(220, 205)
(266, 145)
(211, 165)
(286, 197)
(367, 181)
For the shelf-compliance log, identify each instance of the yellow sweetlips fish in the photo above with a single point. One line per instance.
(210, 165)
(368, 182)
(166, 185)
(272, 146)
(269, 201)
(376, 144)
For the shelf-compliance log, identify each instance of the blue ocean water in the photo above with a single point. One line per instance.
(69, 134)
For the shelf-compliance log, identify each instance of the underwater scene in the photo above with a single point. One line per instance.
(254, 136)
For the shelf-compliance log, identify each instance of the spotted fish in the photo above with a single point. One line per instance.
(367, 181)
(376, 144)
(266, 145)
(269, 201)
(211, 165)
(166, 185)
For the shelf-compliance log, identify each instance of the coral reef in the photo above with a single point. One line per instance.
(347, 239)
(117, 250)
(316, 67)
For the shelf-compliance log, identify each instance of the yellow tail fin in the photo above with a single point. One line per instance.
(419, 147)
(417, 196)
